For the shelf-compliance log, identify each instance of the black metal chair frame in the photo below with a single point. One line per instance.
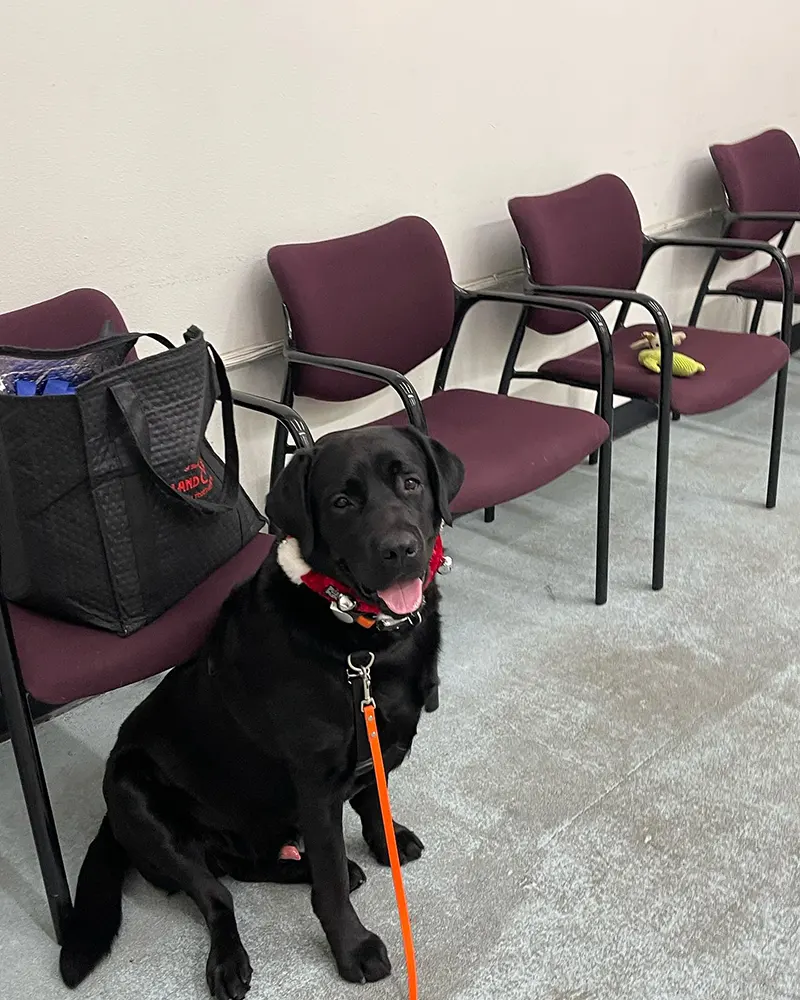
(464, 301)
(627, 298)
(729, 219)
(21, 728)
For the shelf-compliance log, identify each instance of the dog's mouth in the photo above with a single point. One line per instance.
(403, 597)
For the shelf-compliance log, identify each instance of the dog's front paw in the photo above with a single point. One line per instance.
(228, 971)
(432, 699)
(409, 846)
(367, 961)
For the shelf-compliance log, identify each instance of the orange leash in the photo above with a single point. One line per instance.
(368, 708)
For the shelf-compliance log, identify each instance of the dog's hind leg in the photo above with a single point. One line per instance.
(146, 817)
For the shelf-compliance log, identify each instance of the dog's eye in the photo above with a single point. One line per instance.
(411, 484)
(341, 502)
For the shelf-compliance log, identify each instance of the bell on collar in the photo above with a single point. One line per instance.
(446, 567)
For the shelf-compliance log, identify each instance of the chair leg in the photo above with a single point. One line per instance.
(777, 436)
(603, 518)
(34, 787)
(488, 515)
(662, 477)
(595, 454)
(756, 316)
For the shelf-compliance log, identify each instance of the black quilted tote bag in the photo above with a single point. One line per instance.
(113, 506)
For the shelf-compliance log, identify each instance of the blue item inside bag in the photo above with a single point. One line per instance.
(47, 376)
(58, 387)
(53, 386)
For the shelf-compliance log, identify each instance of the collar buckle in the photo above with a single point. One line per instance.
(388, 624)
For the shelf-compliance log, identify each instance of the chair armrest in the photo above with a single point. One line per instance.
(290, 418)
(626, 295)
(400, 384)
(762, 216)
(750, 246)
(585, 309)
(545, 301)
(653, 243)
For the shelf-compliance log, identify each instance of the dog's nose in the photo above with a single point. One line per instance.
(400, 548)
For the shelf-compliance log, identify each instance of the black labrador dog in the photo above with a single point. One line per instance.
(239, 763)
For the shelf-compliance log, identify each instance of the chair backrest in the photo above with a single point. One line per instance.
(761, 174)
(76, 317)
(384, 296)
(590, 234)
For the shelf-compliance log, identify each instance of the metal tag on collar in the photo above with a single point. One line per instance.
(342, 607)
(362, 672)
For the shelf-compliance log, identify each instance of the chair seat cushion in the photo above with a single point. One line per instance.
(62, 662)
(768, 283)
(736, 364)
(509, 446)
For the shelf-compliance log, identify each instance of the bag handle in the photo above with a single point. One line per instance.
(158, 337)
(135, 418)
(105, 340)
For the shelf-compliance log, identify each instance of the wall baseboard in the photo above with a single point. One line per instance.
(247, 355)
(244, 355)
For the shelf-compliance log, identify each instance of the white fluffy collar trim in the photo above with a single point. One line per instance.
(291, 561)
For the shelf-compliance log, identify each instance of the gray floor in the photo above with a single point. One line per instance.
(607, 795)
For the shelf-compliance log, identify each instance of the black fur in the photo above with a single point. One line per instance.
(252, 744)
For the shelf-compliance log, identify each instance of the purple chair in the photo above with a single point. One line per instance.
(56, 662)
(761, 177)
(587, 242)
(374, 305)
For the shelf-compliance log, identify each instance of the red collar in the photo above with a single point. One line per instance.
(344, 601)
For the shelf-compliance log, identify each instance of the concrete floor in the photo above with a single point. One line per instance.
(607, 794)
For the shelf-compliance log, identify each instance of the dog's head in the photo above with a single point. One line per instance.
(366, 506)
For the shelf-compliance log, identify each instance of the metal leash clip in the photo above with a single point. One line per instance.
(363, 673)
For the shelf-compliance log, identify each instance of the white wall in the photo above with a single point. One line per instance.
(157, 149)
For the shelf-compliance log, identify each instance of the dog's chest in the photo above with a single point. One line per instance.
(396, 709)
(397, 716)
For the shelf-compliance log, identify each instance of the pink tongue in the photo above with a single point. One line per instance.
(402, 598)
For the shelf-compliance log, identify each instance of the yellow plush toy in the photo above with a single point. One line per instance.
(650, 358)
(682, 365)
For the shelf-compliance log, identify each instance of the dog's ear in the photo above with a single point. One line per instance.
(446, 471)
(288, 501)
